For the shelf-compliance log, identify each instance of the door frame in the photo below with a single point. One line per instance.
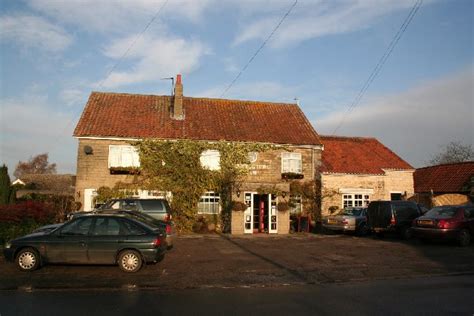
(248, 213)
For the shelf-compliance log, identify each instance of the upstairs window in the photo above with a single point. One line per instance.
(291, 162)
(123, 156)
(210, 159)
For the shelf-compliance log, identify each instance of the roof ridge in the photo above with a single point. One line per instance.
(448, 164)
(348, 137)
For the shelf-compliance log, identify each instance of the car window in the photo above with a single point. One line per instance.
(442, 212)
(130, 205)
(469, 213)
(105, 226)
(152, 205)
(79, 227)
(132, 228)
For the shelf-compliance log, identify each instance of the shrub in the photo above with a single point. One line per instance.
(22, 218)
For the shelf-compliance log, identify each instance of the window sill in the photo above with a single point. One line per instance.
(292, 175)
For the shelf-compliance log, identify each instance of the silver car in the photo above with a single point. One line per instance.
(348, 220)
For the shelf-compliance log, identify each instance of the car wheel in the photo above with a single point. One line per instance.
(362, 229)
(464, 238)
(28, 259)
(130, 261)
(406, 233)
(379, 234)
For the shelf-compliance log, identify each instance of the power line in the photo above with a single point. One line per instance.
(114, 67)
(259, 49)
(380, 63)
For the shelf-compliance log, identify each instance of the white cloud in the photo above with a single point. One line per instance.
(155, 58)
(312, 19)
(259, 91)
(124, 16)
(33, 31)
(29, 127)
(416, 122)
(73, 96)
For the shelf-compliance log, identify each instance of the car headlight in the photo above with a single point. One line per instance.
(8, 245)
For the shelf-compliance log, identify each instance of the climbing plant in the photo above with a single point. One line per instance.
(174, 166)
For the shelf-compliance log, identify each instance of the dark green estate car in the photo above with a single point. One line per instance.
(91, 239)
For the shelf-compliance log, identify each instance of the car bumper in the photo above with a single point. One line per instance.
(337, 227)
(9, 254)
(154, 255)
(435, 232)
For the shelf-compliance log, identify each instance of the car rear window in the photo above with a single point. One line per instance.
(442, 212)
(152, 205)
(351, 212)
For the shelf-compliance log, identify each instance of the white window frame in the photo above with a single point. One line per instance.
(291, 162)
(211, 159)
(298, 200)
(357, 199)
(209, 203)
(123, 156)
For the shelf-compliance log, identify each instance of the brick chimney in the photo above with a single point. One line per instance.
(178, 110)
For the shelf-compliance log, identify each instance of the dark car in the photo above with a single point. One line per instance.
(157, 208)
(446, 222)
(166, 226)
(90, 239)
(392, 216)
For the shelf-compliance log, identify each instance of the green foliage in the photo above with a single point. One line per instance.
(119, 191)
(175, 166)
(9, 231)
(6, 191)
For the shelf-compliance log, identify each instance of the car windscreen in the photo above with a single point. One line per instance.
(351, 212)
(152, 205)
(442, 212)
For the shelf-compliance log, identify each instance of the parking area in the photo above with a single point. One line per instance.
(207, 261)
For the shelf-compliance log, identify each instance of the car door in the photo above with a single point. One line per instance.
(69, 243)
(105, 240)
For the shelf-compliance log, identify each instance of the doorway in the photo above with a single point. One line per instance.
(260, 215)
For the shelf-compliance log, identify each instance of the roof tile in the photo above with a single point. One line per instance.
(446, 178)
(148, 116)
(358, 155)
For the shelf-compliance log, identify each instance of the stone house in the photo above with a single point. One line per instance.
(445, 184)
(111, 121)
(358, 170)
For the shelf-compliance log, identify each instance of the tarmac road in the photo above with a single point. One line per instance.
(207, 261)
(427, 296)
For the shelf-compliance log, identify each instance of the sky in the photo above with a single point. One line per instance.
(54, 53)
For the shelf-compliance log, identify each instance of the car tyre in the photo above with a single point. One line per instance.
(130, 261)
(362, 229)
(406, 233)
(464, 238)
(28, 259)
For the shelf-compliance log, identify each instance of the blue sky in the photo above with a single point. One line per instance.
(54, 53)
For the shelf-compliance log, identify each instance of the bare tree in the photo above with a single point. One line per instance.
(453, 152)
(35, 165)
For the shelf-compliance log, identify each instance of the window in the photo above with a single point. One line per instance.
(209, 203)
(79, 227)
(106, 227)
(355, 200)
(210, 159)
(296, 205)
(123, 156)
(291, 162)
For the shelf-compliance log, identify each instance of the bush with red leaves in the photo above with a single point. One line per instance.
(28, 211)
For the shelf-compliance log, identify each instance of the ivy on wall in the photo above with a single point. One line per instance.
(174, 166)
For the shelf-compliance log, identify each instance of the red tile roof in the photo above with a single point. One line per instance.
(357, 155)
(148, 116)
(447, 178)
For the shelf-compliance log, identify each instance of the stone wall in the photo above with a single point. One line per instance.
(93, 172)
(382, 186)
